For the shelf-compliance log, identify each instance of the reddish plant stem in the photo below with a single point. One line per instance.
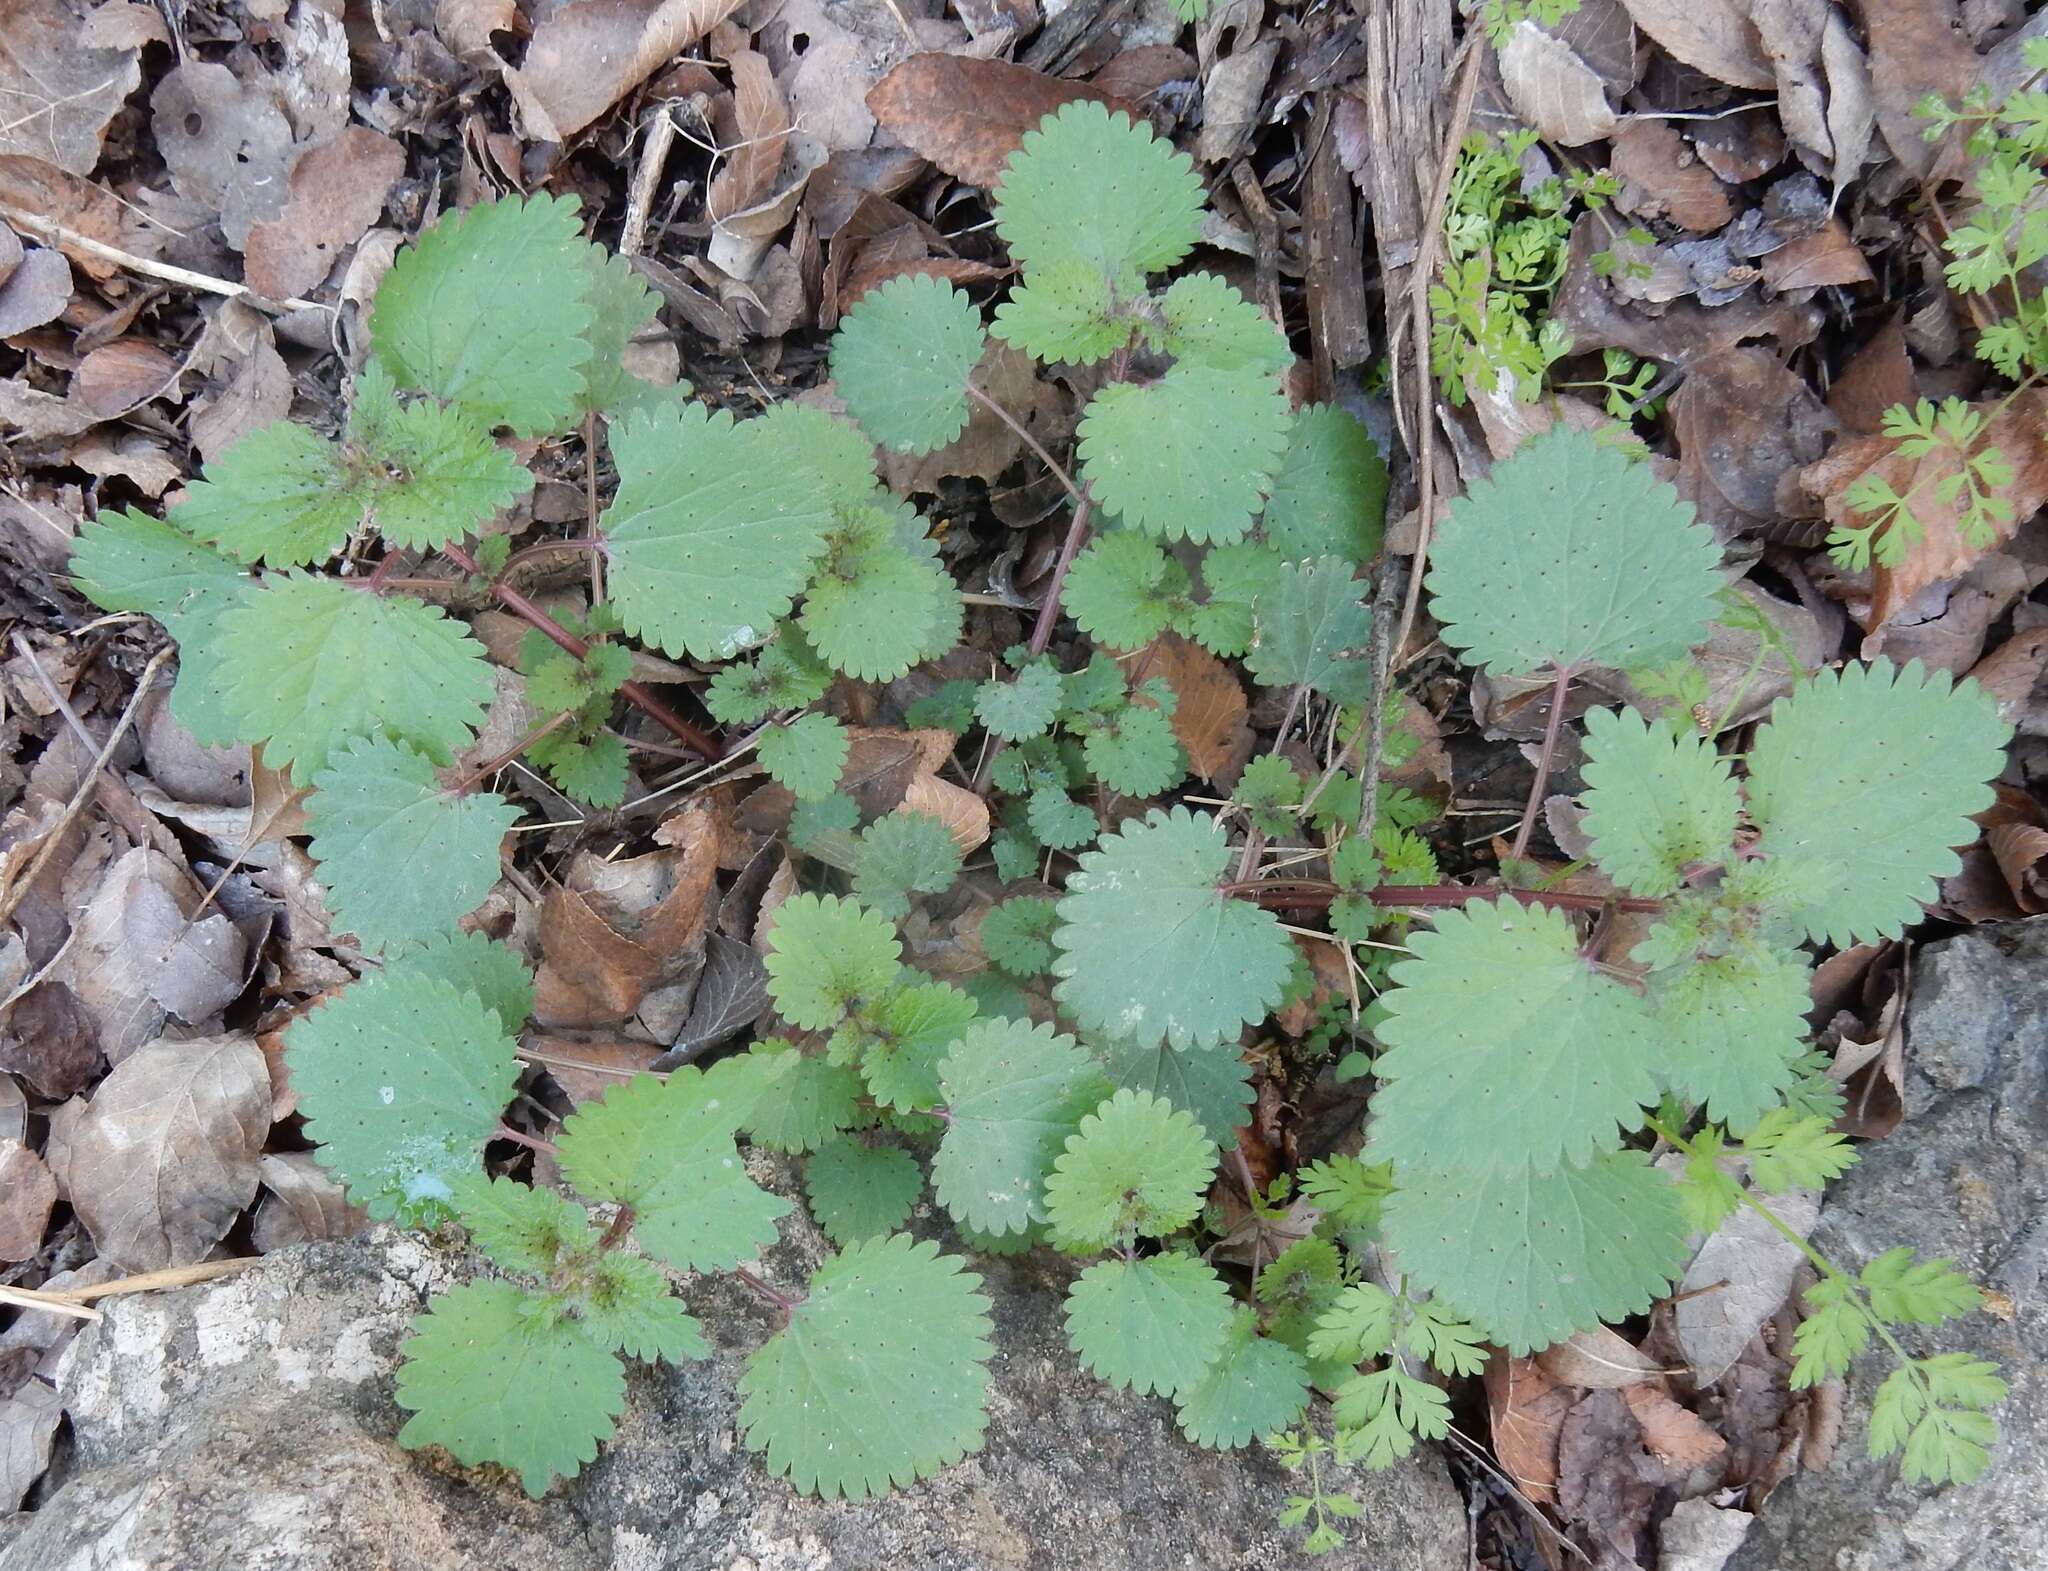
(547, 547)
(781, 1301)
(491, 766)
(617, 1230)
(1552, 728)
(1024, 435)
(520, 1138)
(1049, 607)
(1313, 893)
(380, 576)
(636, 695)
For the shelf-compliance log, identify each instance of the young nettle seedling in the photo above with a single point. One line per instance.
(1201, 507)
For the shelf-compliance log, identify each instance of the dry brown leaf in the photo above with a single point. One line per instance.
(337, 192)
(589, 54)
(1823, 259)
(226, 141)
(164, 1159)
(1662, 177)
(763, 123)
(1603, 1486)
(1737, 1281)
(116, 377)
(1674, 1434)
(1599, 1360)
(964, 814)
(1210, 719)
(1852, 108)
(35, 285)
(1790, 31)
(1878, 375)
(465, 26)
(123, 24)
(968, 116)
(303, 1204)
(1941, 553)
(56, 97)
(1527, 1409)
(259, 393)
(1553, 90)
(27, 1195)
(31, 186)
(51, 1042)
(1714, 36)
(1917, 47)
(2021, 851)
(1746, 426)
(587, 1067)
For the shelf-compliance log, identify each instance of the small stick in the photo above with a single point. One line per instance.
(1024, 435)
(1551, 729)
(70, 239)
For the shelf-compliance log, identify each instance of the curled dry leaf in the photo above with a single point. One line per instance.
(964, 813)
(1662, 177)
(1675, 1435)
(1714, 36)
(165, 1158)
(1554, 90)
(302, 1204)
(968, 116)
(748, 174)
(1852, 105)
(589, 54)
(1527, 1409)
(1737, 1281)
(1599, 1360)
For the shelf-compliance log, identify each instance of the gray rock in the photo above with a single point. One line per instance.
(1965, 1176)
(248, 1424)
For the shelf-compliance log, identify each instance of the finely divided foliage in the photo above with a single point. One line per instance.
(1521, 1074)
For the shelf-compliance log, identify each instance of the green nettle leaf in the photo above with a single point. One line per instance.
(716, 525)
(1065, 311)
(522, 1229)
(306, 664)
(901, 854)
(1017, 935)
(1732, 1026)
(1189, 457)
(492, 1375)
(434, 472)
(624, 1303)
(807, 755)
(403, 858)
(1570, 554)
(1203, 321)
(1123, 590)
(1014, 1093)
(1311, 630)
(805, 1100)
(491, 309)
(902, 358)
(1156, 1324)
(1860, 783)
(1236, 577)
(1020, 709)
(1255, 1387)
(473, 963)
(123, 561)
(1330, 494)
(1136, 753)
(1657, 802)
(592, 770)
(621, 304)
(880, 1377)
(786, 675)
(861, 1191)
(909, 1036)
(825, 957)
(1211, 1083)
(1532, 1257)
(1136, 1168)
(666, 1150)
(280, 495)
(1152, 950)
(1506, 1049)
(882, 600)
(401, 1080)
(1090, 190)
(1058, 821)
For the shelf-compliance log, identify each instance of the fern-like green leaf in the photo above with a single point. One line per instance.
(1138, 1167)
(666, 1150)
(305, 664)
(280, 495)
(1014, 1093)
(1934, 1410)
(1860, 783)
(1311, 630)
(1570, 554)
(807, 755)
(404, 859)
(492, 1374)
(1906, 1291)
(490, 309)
(861, 1191)
(1330, 494)
(1255, 1387)
(1190, 457)
(1065, 311)
(1506, 1049)
(1533, 1257)
(902, 358)
(716, 525)
(1089, 188)
(1155, 1324)
(401, 1080)
(1387, 1411)
(1657, 802)
(880, 1377)
(1152, 950)
(826, 957)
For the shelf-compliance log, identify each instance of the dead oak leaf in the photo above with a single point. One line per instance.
(968, 116)
(1210, 720)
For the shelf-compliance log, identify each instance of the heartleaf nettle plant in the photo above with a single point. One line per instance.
(1548, 1123)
